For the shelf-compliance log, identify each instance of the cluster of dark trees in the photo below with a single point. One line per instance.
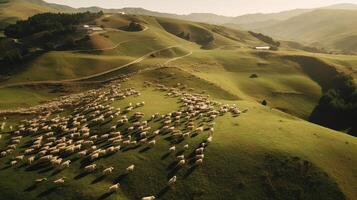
(265, 39)
(11, 52)
(337, 108)
(46, 31)
(134, 26)
(53, 23)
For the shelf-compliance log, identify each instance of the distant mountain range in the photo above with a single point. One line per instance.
(331, 27)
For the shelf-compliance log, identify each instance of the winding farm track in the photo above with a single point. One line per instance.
(177, 58)
(138, 60)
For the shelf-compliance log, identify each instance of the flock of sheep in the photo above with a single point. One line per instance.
(56, 136)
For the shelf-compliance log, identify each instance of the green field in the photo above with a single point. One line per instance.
(243, 150)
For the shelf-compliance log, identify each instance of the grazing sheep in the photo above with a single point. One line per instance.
(113, 188)
(185, 146)
(200, 156)
(82, 153)
(90, 168)
(13, 163)
(148, 198)
(59, 181)
(65, 164)
(209, 139)
(108, 170)
(3, 154)
(30, 160)
(94, 156)
(40, 180)
(19, 157)
(181, 157)
(130, 168)
(172, 180)
(172, 149)
(199, 162)
(199, 150)
(152, 142)
(181, 163)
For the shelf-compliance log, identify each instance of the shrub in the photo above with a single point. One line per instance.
(264, 103)
(253, 76)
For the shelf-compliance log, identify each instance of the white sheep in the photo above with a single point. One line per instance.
(19, 157)
(90, 168)
(199, 162)
(114, 188)
(152, 142)
(172, 149)
(148, 198)
(40, 180)
(172, 180)
(180, 157)
(108, 170)
(181, 163)
(185, 146)
(94, 156)
(30, 160)
(199, 150)
(130, 168)
(59, 181)
(13, 163)
(65, 164)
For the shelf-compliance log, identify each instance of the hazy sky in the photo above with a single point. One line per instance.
(222, 7)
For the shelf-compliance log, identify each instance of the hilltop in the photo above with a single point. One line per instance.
(329, 29)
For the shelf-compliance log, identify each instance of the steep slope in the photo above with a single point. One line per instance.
(331, 29)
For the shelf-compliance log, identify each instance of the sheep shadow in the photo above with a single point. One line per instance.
(21, 166)
(144, 149)
(82, 175)
(31, 188)
(121, 177)
(56, 172)
(6, 167)
(180, 152)
(47, 192)
(165, 155)
(105, 195)
(37, 166)
(98, 179)
(174, 171)
(190, 171)
(45, 170)
(163, 192)
(171, 165)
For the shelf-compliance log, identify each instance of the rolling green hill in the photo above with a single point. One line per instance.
(13, 10)
(267, 152)
(330, 29)
(242, 160)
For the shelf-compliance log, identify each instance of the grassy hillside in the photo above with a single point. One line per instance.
(242, 159)
(330, 29)
(263, 153)
(13, 10)
(284, 79)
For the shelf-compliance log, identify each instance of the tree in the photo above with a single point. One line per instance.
(264, 103)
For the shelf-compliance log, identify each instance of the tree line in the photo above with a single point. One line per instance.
(337, 108)
(50, 22)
